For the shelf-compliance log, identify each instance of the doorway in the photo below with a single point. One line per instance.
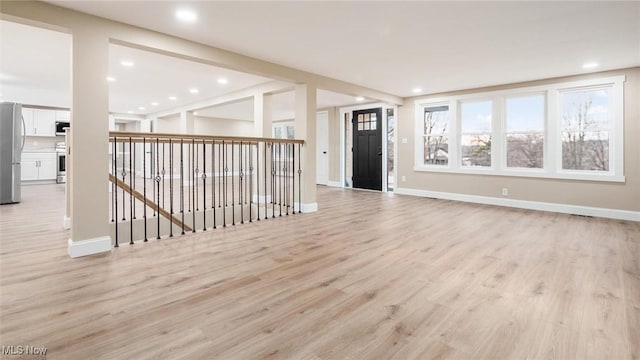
(322, 147)
(367, 149)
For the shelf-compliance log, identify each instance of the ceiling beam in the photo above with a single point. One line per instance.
(232, 97)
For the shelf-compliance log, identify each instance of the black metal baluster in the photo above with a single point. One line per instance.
(233, 194)
(196, 172)
(113, 184)
(293, 173)
(133, 182)
(193, 184)
(286, 177)
(153, 178)
(245, 151)
(299, 179)
(224, 185)
(273, 180)
(204, 186)
(158, 186)
(171, 187)
(250, 181)
(144, 185)
(130, 193)
(115, 179)
(213, 181)
(220, 173)
(266, 216)
(189, 174)
(182, 182)
(241, 174)
(280, 166)
(258, 179)
(124, 174)
(162, 172)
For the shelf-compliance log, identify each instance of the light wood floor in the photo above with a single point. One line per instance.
(369, 276)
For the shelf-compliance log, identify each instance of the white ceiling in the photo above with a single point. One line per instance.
(394, 46)
(35, 69)
(389, 46)
(155, 77)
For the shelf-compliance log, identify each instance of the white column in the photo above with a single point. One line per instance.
(262, 115)
(187, 122)
(89, 143)
(262, 120)
(305, 124)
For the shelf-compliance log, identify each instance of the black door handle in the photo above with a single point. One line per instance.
(324, 152)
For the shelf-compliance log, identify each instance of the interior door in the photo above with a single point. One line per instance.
(322, 148)
(367, 149)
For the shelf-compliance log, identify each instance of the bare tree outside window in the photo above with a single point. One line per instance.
(525, 131)
(436, 141)
(585, 130)
(475, 139)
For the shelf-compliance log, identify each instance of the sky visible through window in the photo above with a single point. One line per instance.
(476, 117)
(525, 114)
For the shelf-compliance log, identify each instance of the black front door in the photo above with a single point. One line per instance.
(367, 149)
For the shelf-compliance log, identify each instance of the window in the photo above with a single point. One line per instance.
(436, 141)
(571, 130)
(525, 131)
(586, 122)
(284, 130)
(475, 131)
(367, 122)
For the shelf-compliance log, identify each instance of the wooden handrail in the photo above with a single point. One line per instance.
(119, 183)
(123, 136)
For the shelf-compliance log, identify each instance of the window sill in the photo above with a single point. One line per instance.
(525, 173)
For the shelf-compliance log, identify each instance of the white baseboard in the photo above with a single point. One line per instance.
(89, 247)
(334, 183)
(309, 208)
(66, 223)
(525, 204)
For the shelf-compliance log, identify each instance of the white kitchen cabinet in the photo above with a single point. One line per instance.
(63, 115)
(44, 122)
(39, 122)
(27, 115)
(28, 169)
(38, 166)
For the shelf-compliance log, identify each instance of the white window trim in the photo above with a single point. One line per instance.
(552, 167)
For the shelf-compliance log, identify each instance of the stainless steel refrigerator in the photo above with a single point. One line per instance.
(12, 129)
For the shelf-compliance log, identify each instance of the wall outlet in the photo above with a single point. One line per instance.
(505, 192)
(404, 178)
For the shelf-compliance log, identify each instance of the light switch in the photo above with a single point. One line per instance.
(404, 140)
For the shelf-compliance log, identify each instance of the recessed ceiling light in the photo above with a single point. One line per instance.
(127, 63)
(223, 81)
(141, 108)
(186, 15)
(172, 98)
(590, 65)
(195, 113)
(155, 103)
(417, 90)
(359, 98)
(194, 91)
(111, 79)
(130, 112)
